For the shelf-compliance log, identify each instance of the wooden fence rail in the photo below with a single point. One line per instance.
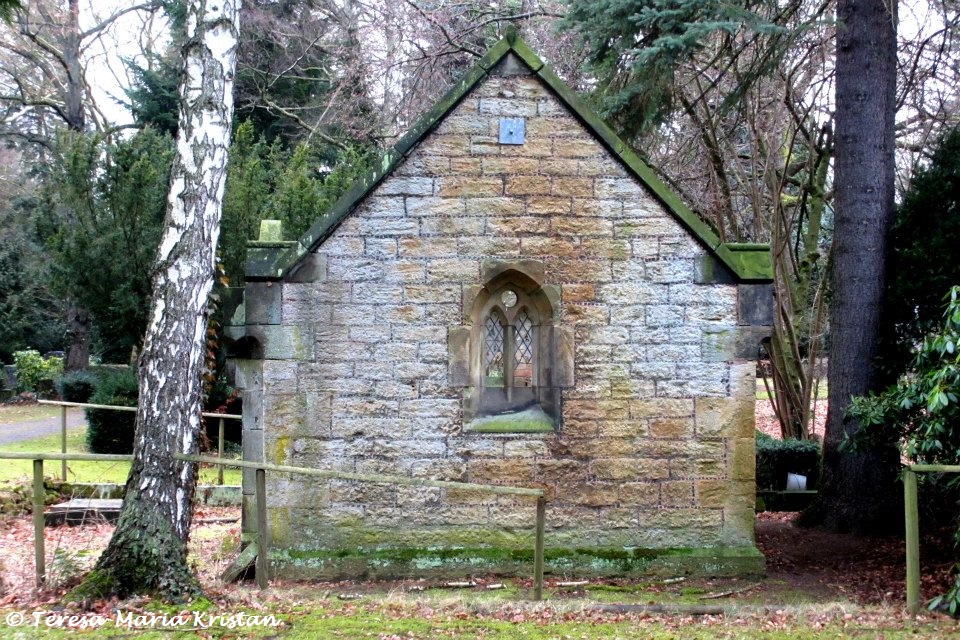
(260, 506)
(85, 405)
(912, 521)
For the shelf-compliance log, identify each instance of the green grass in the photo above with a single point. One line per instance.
(17, 471)
(640, 593)
(380, 623)
(762, 393)
(426, 618)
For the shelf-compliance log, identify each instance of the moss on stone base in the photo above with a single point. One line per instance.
(392, 562)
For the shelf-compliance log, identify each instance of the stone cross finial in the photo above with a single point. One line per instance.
(271, 231)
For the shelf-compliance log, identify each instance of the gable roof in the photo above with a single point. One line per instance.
(273, 260)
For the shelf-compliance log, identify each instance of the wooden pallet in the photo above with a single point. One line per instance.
(82, 511)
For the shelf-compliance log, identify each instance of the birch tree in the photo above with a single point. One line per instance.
(148, 550)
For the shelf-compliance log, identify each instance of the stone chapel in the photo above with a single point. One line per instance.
(511, 297)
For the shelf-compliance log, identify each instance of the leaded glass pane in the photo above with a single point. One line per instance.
(523, 352)
(493, 356)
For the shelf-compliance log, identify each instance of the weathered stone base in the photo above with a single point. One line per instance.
(430, 562)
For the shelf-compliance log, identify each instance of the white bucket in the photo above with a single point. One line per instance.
(796, 482)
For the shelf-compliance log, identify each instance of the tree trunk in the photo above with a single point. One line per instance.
(798, 317)
(78, 337)
(858, 491)
(148, 550)
(78, 318)
(73, 109)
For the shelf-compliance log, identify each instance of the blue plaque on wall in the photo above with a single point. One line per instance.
(512, 130)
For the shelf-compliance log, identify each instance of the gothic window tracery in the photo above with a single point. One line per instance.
(510, 344)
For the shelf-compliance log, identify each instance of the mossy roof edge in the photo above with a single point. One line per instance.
(753, 265)
(320, 230)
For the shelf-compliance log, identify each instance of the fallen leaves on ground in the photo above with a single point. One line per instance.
(848, 582)
(865, 570)
(73, 550)
(767, 422)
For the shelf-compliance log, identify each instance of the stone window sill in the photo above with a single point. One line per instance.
(533, 420)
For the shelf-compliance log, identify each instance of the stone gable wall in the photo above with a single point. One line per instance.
(655, 448)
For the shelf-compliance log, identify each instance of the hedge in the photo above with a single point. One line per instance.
(77, 386)
(777, 458)
(110, 431)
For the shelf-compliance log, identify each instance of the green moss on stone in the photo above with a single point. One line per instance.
(271, 231)
(494, 54)
(280, 449)
(533, 420)
(391, 562)
(751, 262)
(524, 52)
(263, 258)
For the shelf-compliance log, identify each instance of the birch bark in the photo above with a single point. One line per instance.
(148, 550)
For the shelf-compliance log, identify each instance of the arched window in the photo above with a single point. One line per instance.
(511, 317)
(493, 371)
(524, 347)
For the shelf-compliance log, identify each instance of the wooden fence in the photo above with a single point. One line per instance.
(63, 427)
(263, 539)
(912, 518)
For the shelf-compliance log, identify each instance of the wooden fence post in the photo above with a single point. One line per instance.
(220, 452)
(912, 518)
(262, 566)
(39, 499)
(538, 550)
(260, 506)
(63, 442)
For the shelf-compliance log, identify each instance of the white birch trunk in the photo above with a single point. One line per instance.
(147, 552)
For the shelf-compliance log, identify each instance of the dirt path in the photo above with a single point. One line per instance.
(17, 431)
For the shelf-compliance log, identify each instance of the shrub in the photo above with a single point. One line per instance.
(32, 368)
(76, 386)
(922, 410)
(777, 458)
(110, 431)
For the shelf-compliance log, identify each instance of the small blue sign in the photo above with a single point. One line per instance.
(512, 130)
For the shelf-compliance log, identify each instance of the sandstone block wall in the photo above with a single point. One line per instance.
(655, 446)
